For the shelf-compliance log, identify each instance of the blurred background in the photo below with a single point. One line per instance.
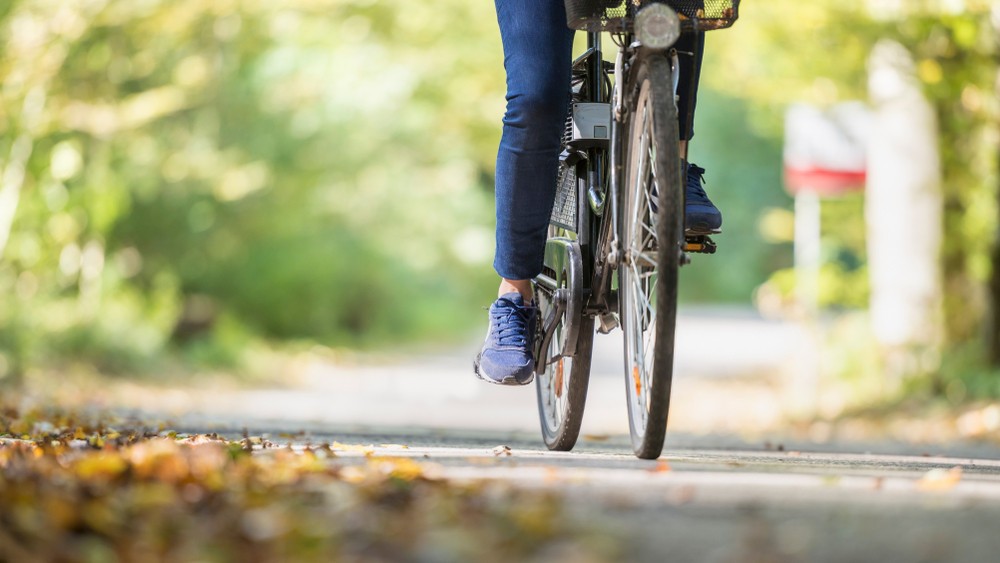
(249, 187)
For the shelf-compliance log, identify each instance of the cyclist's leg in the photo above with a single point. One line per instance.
(701, 215)
(537, 48)
(687, 88)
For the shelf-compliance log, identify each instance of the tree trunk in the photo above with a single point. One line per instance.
(904, 216)
(11, 179)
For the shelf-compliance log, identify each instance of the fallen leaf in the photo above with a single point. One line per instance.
(367, 450)
(661, 467)
(940, 479)
(398, 467)
(102, 466)
(210, 497)
(394, 446)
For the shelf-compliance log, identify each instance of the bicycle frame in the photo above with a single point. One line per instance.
(570, 259)
(584, 266)
(594, 204)
(606, 253)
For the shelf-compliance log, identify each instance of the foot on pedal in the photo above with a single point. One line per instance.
(701, 216)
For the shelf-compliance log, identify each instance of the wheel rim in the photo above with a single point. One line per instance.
(640, 246)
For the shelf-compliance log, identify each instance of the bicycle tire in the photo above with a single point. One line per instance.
(561, 412)
(652, 243)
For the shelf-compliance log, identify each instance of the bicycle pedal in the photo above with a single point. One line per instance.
(701, 244)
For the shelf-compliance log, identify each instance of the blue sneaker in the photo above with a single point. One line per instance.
(506, 357)
(701, 217)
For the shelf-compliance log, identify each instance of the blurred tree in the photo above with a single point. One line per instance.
(994, 326)
(956, 52)
(955, 46)
(286, 164)
(323, 168)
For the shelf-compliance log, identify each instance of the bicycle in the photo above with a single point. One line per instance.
(616, 236)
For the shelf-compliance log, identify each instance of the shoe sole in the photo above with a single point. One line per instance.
(699, 231)
(510, 381)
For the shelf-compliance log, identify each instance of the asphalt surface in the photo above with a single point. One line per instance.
(718, 492)
(712, 498)
(734, 371)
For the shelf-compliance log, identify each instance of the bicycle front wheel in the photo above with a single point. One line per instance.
(652, 242)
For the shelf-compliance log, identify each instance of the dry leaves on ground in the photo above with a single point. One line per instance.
(74, 488)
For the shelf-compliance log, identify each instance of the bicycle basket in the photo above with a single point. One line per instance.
(617, 15)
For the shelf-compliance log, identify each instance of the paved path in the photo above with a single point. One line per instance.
(732, 374)
(719, 500)
(718, 493)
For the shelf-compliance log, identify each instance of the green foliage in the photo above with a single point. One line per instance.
(204, 174)
(957, 58)
(816, 52)
(253, 156)
(782, 52)
(843, 274)
(743, 178)
(956, 61)
(752, 73)
(965, 376)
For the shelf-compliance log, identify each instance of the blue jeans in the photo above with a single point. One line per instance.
(537, 48)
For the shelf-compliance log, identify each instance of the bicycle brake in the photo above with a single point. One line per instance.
(606, 322)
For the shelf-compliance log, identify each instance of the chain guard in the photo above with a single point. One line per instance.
(559, 290)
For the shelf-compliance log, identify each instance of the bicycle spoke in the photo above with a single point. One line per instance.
(641, 264)
(641, 295)
(644, 259)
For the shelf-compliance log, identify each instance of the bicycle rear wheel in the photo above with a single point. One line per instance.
(652, 242)
(562, 387)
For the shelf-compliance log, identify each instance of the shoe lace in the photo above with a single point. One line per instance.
(511, 323)
(695, 191)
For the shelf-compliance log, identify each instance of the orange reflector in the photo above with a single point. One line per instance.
(637, 379)
(559, 377)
